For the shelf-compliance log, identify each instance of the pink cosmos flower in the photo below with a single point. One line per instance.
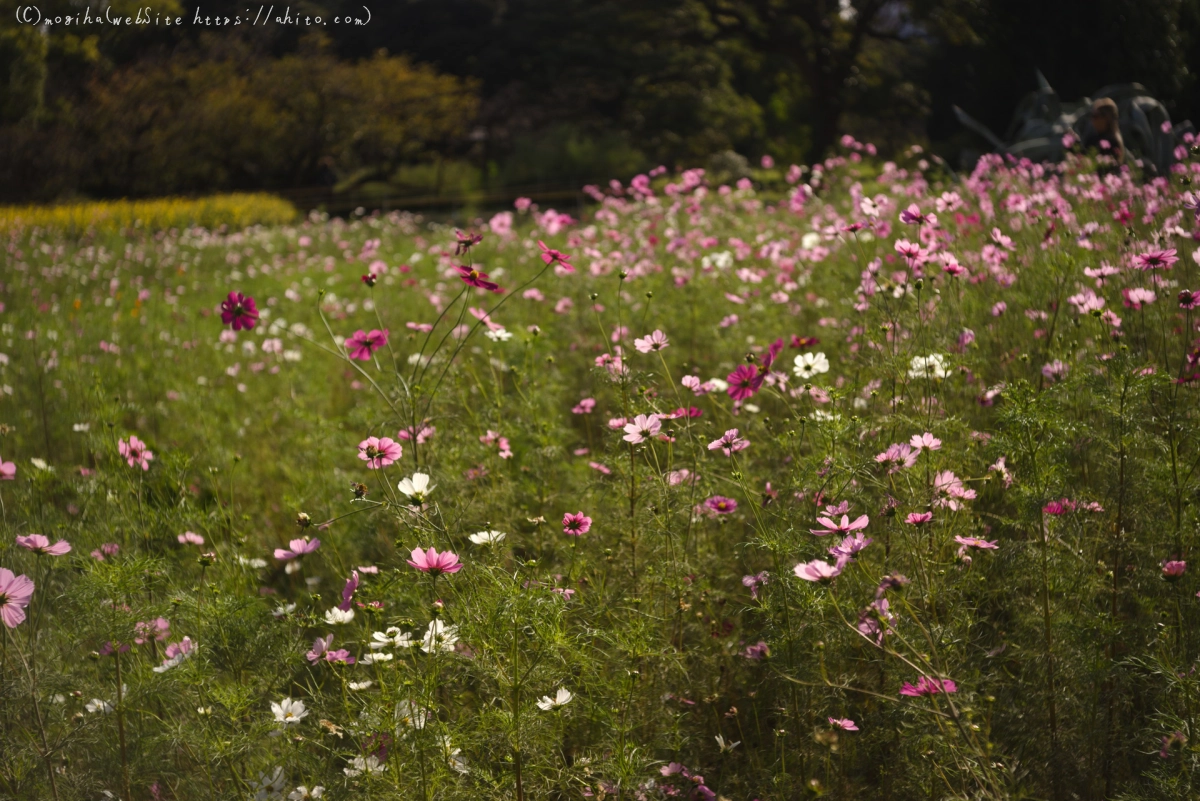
(135, 452)
(15, 594)
(1137, 297)
(585, 406)
(421, 435)
(951, 490)
(339, 657)
(599, 468)
(897, 457)
(913, 216)
(551, 256)
(850, 545)
(361, 344)
(8, 470)
(918, 518)
(378, 452)
(175, 653)
(973, 542)
(105, 550)
(754, 582)
(928, 686)
(844, 527)
(190, 538)
(320, 646)
(472, 277)
(845, 724)
(729, 443)
(576, 524)
(158, 629)
(744, 382)
(1173, 569)
(296, 549)
(40, 544)
(239, 311)
(465, 242)
(642, 428)
(1188, 299)
(925, 440)
(348, 591)
(718, 504)
(655, 342)
(816, 570)
(1155, 260)
(756, 653)
(435, 563)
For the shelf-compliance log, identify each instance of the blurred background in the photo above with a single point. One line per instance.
(447, 101)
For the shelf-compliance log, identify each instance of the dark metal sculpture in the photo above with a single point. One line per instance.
(1041, 120)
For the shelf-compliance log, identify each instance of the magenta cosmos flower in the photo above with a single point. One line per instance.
(8, 470)
(15, 594)
(552, 256)
(239, 311)
(465, 242)
(296, 549)
(472, 277)
(721, 505)
(918, 518)
(135, 452)
(1156, 260)
(40, 544)
(362, 344)
(378, 452)
(844, 527)
(435, 563)
(928, 686)
(654, 342)
(1173, 569)
(744, 382)
(576, 524)
(729, 443)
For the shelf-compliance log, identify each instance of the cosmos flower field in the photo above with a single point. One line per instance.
(862, 480)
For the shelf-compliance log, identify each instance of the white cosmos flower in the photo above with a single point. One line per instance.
(360, 765)
(392, 638)
(409, 716)
(336, 616)
(416, 488)
(931, 366)
(96, 705)
(288, 711)
(269, 786)
(285, 610)
(361, 685)
(439, 637)
(453, 754)
(560, 699)
(725, 745)
(808, 365)
(302, 793)
(718, 384)
(499, 335)
(487, 537)
(372, 659)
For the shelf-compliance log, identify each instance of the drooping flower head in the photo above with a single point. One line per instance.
(40, 544)
(15, 594)
(363, 343)
(379, 452)
(435, 563)
(135, 452)
(576, 524)
(239, 311)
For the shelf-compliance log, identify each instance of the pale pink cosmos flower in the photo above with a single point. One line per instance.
(190, 538)
(377, 452)
(105, 550)
(1156, 260)
(918, 518)
(435, 563)
(320, 646)
(135, 452)
(176, 652)
(296, 549)
(158, 629)
(850, 545)
(816, 570)
(1137, 297)
(925, 440)
(950, 490)
(421, 435)
(40, 544)
(576, 524)
(8, 470)
(642, 428)
(655, 342)
(677, 477)
(845, 724)
(729, 443)
(599, 468)
(1173, 569)
(897, 457)
(15, 594)
(754, 582)
(844, 527)
(585, 406)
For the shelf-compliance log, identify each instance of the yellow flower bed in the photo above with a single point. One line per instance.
(232, 210)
